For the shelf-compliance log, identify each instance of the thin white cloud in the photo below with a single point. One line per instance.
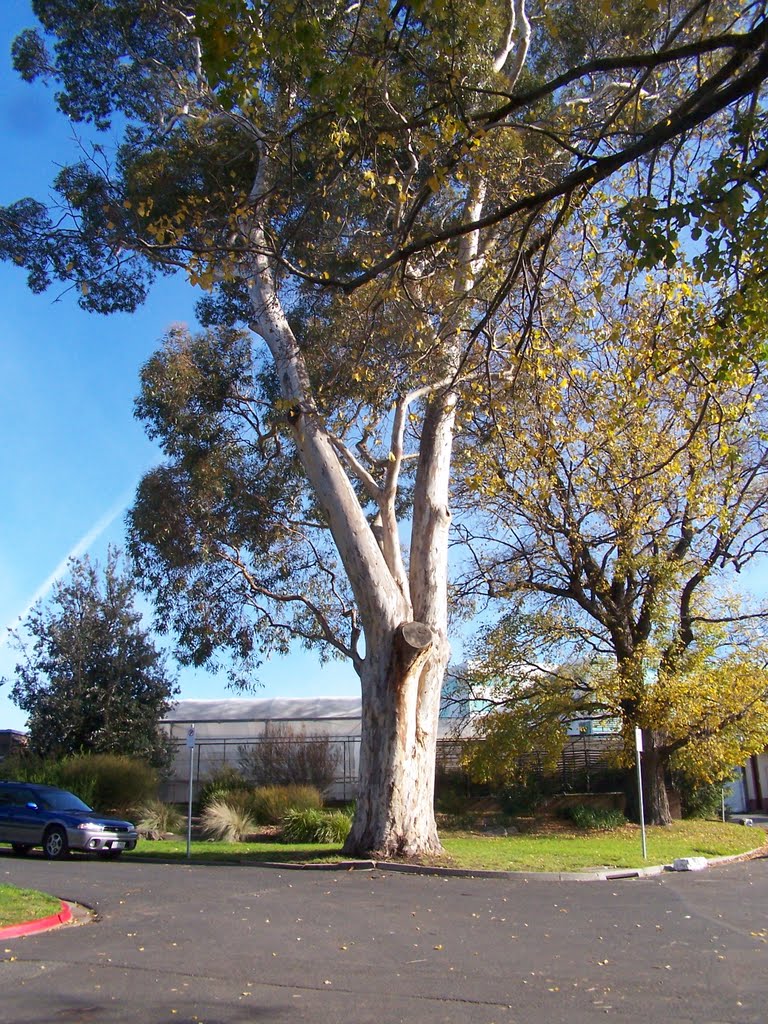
(80, 548)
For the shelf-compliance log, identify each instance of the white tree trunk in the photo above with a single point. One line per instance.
(402, 671)
(395, 812)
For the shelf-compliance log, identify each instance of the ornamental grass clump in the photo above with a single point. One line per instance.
(227, 821)
(316, 826)
(156, 816)
(272, 803)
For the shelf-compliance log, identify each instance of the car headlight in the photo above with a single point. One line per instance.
(92, 826)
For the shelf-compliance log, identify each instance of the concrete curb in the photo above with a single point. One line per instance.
(41, 924)
(608, 874)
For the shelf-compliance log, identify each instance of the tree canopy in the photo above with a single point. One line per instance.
(377, 193)
(90, 678)
(624, 486)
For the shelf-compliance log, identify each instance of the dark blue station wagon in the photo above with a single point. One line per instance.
(37, 815)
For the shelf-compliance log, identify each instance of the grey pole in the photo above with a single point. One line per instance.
(191, 746)
(638, 752)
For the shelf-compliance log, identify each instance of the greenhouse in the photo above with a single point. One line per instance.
(224, 731)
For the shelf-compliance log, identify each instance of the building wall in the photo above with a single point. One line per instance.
(11, 740)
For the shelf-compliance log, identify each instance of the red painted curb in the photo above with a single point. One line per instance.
(13, 931)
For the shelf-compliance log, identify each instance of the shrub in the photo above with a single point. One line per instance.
(226, 821)
(526, 796)
(109, 782)
(24, 766)
(316, 826)
(156, 816)
(272, 803)
(285, 757)
(243, 800)
(588, 817)
(699, 799)
(220, 783)
(455, 793)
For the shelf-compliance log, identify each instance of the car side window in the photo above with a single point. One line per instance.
(13, 796)
(19, 796)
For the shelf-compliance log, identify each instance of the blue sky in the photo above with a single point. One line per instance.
(72, 452)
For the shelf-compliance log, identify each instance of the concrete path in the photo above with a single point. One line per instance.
(230, 945)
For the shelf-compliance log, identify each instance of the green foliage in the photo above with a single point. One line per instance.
(113, 782)
(454, 793)
(272, 803)
(90, 678)
(232, 476)
(24, 766)
(316, 826)
(342, 94)
(157, 816)
(227, 820)
(699, 799)
(220, 783)
(626, 485)
(106, 782)
(525, 795)
(585, 816)
(265, 805)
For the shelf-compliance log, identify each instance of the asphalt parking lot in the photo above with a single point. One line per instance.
(228, 945)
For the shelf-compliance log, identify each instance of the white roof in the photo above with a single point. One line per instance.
(244, 709)
(243, 718)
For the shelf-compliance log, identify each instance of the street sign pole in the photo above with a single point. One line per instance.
(638, 755)
(191, 747)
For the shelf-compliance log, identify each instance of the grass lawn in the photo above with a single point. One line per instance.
(569, 850)
(547, 850)
(20, 905)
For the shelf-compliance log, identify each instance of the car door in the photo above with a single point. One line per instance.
(6, 823)
(25, 821)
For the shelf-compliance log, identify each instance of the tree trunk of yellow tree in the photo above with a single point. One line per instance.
(654, 764)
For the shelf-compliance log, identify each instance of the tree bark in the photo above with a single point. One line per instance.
(654, 764)
(395, 812)
(406, 645)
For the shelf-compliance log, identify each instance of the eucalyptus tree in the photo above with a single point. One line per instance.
(361, 187)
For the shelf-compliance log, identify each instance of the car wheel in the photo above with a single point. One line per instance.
(55, 845)
(110, 854)
(21, 849)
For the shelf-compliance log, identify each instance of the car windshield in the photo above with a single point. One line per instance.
(63, 801)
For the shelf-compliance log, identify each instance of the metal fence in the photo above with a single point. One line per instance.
(211, 755)
(584, 762)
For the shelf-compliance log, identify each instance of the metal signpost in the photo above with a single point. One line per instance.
(191, 747)
(638, 754)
